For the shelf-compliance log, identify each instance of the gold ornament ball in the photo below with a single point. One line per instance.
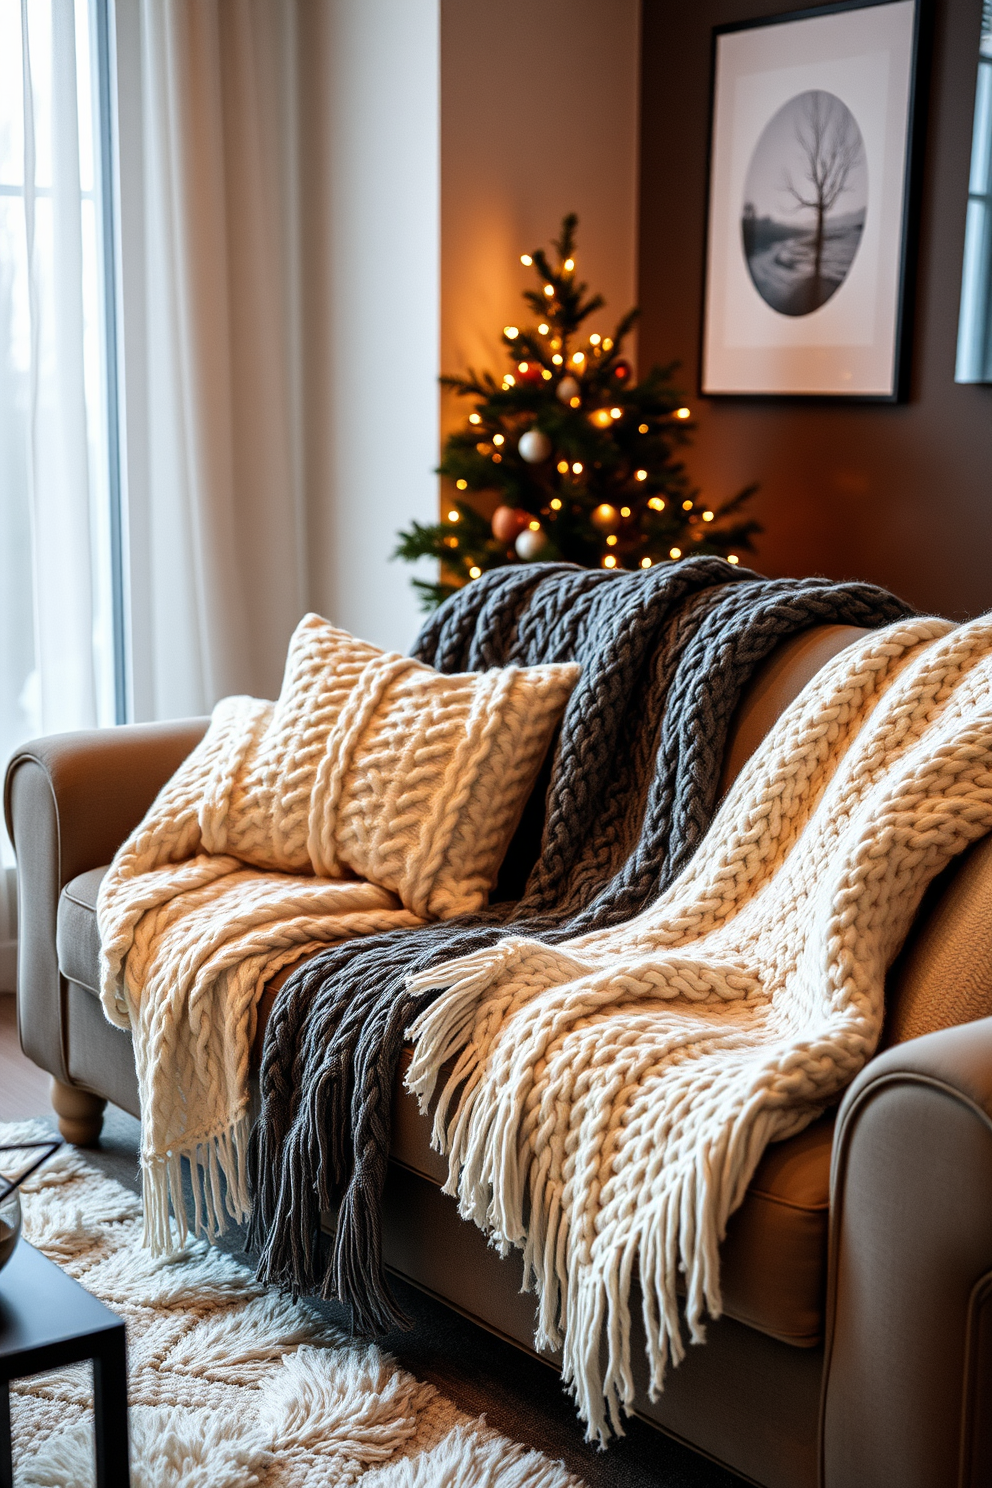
(605, 517)
(507, 522)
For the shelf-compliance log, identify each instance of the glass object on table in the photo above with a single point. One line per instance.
(18, 1160)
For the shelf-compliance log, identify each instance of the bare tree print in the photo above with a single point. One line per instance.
(831, 146)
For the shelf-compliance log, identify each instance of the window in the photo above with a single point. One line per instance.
(60, 583)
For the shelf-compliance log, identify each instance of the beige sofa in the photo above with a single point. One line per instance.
(856, 1346)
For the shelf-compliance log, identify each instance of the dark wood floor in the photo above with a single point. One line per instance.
(23, 1086)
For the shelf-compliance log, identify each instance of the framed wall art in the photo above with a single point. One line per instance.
(813, 168)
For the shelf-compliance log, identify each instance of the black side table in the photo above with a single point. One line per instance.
(47, 1320)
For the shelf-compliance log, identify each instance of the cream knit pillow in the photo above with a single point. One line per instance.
(372, 764)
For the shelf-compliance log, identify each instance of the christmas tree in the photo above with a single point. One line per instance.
(582, 459)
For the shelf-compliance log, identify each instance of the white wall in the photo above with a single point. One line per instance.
(380, 444)
(539, 117)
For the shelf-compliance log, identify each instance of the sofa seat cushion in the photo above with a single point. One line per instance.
(774, 1257)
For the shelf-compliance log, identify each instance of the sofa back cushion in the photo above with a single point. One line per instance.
(943, 975)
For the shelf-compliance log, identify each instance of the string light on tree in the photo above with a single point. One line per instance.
(574, 458)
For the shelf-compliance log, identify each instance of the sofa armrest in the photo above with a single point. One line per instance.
(70, 800)
(908, 1370)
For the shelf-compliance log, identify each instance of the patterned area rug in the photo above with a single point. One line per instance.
(231, 1385)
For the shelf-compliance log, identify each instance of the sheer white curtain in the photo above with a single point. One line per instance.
(279, 258)
(56, 651)
(209, 109)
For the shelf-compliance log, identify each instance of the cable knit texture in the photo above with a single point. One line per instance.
(665, 656)
(612, 1095)
(375, 794)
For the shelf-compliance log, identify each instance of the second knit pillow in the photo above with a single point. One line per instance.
(373, 764)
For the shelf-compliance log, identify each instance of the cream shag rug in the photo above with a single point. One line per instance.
(231, 1385)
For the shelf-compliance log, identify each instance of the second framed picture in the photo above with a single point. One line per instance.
(812, 171)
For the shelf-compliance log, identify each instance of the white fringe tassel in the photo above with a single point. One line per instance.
(219, 1181)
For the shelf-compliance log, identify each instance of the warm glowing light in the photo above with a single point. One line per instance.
(707, 516)
(601, 418)
(625, 511)
(452, 542)
(484, 449)
(683, 413)
(656, 504)
(462, 485)
(595, 339)
(474, 572)
(562, 467)
(642, 428)
(555, 503)
(607, 343)
(574, 402)
(509, 380)
(526, 260)
(511, 333)
(557, 359)
(497, 458)
(675, 552)
(523, 366)
(569, 265)
(534, 526)
(645, 562)
(687, 506)
(454, 516)
(640, 475)
(609, 561)
(732, 558)
(611, 541)
(498, 439)
(577, 468)
(543, 328)
(549, 290)
(546, 375)
(578, 358)
(474, 418)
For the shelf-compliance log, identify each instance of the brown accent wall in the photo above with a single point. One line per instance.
(899, 494)
(539, 117)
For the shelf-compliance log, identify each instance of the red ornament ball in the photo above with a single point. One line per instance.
(508, 521)
(528, 372)
(622, 370)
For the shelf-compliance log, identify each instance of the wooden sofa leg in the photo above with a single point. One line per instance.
(80, 1113)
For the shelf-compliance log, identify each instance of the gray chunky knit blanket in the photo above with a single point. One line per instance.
(666, 655)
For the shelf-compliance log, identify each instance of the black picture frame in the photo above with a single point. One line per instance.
(900, 245)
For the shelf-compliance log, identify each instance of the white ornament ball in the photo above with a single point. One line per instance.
(567, 389)
(529, 544)
(534, 446)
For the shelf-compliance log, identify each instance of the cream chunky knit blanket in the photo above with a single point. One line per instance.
(612, 1095)
(371, 796)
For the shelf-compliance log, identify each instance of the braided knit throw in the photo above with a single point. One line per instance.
(613, 1094)
(373, 794)
(665, 655)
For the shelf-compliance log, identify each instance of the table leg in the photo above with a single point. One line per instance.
(110, 1414)
(6, 1449)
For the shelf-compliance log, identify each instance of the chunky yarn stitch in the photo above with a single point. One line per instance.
(613, 1094)
(665, 657)
(374, 793)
